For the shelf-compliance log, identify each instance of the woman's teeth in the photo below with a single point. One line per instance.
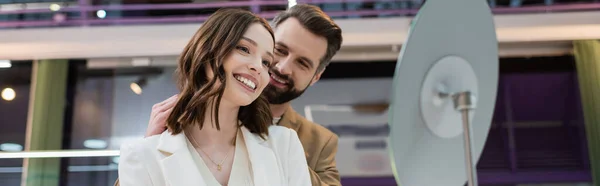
(247, 82)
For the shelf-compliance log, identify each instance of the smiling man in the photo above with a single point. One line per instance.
(306, 39)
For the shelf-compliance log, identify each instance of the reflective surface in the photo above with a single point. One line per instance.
(107, 110)
(73, 172)
(13, 114)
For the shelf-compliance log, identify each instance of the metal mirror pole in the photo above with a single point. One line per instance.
(463, 102)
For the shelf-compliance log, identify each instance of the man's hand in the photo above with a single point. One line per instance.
(158, 117)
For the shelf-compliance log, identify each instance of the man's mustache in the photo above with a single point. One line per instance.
(280, 76)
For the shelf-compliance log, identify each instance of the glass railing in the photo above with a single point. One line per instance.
(91, 170)
(57, 13)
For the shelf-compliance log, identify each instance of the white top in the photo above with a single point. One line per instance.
(276, 120)
(165, 159)
(240, 171)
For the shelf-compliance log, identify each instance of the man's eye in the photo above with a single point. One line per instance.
(280, 52)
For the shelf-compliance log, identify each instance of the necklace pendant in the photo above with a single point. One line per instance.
(219, 167)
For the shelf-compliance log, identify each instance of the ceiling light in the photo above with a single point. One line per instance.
(137, 86)
(5, 64)
(101, 14)
(54, 7)
(11, 147)
(95, 144)
(140, 61)
(8, 94)
(291, 3)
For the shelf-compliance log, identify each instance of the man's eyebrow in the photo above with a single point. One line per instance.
(282, 45)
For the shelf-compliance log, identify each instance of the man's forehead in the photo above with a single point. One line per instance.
(293, 26)
(300, 40)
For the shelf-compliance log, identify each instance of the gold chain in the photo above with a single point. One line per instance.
(218, 164)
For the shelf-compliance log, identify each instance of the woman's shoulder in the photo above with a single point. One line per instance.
(140, 146)
(278, 133)
(282, 139)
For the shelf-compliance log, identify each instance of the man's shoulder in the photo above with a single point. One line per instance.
(317, 140)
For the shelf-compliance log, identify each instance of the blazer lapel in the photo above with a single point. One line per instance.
(291, 119)
(178, 166)
(264, 164)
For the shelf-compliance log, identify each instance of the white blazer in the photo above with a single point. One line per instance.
(164, 159)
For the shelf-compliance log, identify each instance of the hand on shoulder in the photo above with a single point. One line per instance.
(158, 116)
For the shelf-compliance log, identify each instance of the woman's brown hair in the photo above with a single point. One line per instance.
(205, 52)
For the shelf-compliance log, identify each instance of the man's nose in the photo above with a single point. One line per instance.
(284, 66)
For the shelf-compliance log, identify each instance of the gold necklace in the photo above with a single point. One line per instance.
(219, 165)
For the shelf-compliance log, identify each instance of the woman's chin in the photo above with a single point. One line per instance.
(239, 98)
(244, 101)
(245, 104)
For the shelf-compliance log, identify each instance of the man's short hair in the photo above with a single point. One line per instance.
(317, 22)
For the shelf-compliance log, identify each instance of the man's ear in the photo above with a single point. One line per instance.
(316, 77)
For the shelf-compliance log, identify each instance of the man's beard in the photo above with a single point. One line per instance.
(279, 96)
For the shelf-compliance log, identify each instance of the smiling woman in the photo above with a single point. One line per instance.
(243, 50)
(220, 122)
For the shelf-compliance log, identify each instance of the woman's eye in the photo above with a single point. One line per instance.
(266, 63)
(244, 49)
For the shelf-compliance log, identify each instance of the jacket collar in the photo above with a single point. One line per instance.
(178, 166)
(178, 158)
(170, 143)
(290, 119)
(263, 161)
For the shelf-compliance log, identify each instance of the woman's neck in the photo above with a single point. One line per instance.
(209, 136)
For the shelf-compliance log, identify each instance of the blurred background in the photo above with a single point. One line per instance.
(101, 65)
